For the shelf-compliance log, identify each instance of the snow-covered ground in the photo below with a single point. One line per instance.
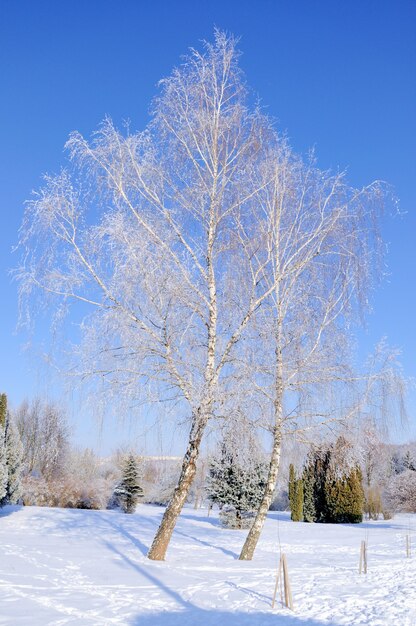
(61, 566)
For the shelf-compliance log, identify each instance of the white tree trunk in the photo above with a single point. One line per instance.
(163, 536)
(255, 531)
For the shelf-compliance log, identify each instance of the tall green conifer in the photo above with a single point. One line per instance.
(3, 410)
(308, 477)
(321, 465)
(295, 495)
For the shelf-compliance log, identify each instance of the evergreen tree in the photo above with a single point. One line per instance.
(295, 495)
(308, 477)
(408, 462)
(291, 487)
(320, 464)
(3, 456)
(345, 497)
(13, 452)
(128, 491)
(3, 410)
(332, 492)
(3, 466)
(297, 511)
(232, 484)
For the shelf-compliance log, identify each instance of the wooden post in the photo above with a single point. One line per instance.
(288, 590)
(278, 578)
(408, 546)
(282, 577)
(363, 558)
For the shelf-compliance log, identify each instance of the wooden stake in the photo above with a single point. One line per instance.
(408, 546)
(363, 558)
(278, 578)
(282, 577)
(288, 590)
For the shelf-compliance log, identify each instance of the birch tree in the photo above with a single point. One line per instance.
(320, 240)
(139, 231)
(203, 260)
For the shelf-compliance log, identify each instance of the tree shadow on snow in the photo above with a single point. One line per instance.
(213, 521)
(9, 509)
(125, 533)
(144, 571)
(191, 615)
(206, 543)
(265, 599)
(282, 516)
(376, 525)
(195, 616)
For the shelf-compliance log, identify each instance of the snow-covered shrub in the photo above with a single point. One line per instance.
(86, 483)
(77, 495)
(36, 491)
(400, 493)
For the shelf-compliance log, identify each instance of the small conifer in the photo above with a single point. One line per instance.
(128, 491)
(236, 488)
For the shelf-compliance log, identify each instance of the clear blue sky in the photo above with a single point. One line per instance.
(340, 76)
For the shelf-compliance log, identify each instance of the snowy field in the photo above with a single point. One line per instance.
(62, 566)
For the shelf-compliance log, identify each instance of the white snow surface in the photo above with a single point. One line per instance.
(63, 566)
